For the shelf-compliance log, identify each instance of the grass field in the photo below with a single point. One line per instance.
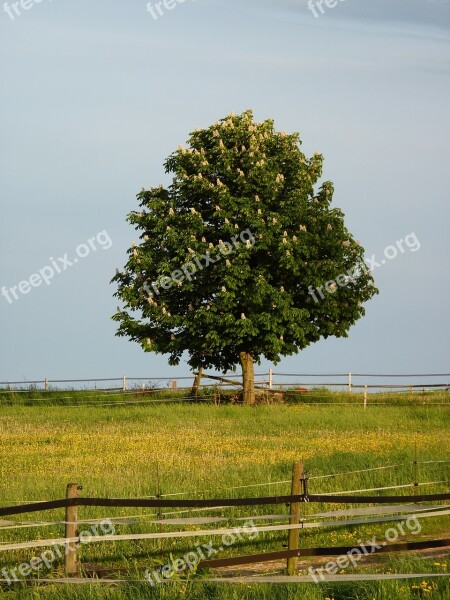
(203, 450)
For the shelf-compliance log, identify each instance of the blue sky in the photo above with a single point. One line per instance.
(96, 95)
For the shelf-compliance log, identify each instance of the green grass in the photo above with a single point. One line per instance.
(203, 450)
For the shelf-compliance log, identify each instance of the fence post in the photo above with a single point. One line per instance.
(365, 396)
(350, 382)
(70, 558)
(294, 534)
(270, 379)
(124, 383)
(416, 470)
(46, 384)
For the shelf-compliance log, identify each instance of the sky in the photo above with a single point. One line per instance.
(96, 95)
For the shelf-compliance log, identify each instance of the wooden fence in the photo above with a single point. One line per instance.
(299, 494)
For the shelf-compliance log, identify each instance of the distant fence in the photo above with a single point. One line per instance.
(270, 381)
(299, 484)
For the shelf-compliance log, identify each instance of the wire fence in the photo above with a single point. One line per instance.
(315, 387)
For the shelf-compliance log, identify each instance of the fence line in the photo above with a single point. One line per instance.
(276, 579)
(299, 494)
(209, 532)
(124, 381)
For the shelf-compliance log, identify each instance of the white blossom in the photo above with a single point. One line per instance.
(193, 211)
(223, 289)
(346, 243)
(190, 251)
(243, 317)
(329, 227)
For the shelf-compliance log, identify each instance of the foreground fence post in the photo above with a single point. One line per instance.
(294, 534)
(70, 559)
(270, 379)
(365, 396)
(124, 383)
(350, 382)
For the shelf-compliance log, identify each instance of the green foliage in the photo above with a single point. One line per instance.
(249, 293)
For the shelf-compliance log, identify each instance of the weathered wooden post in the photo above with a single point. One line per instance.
(70, 559)
(365, 396)
(124, 383)
(350, 382)
(294, 534)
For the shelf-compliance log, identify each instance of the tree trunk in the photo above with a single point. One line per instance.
(197, 382)
(248, 377)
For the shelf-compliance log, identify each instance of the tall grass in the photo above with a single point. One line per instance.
(203, 450)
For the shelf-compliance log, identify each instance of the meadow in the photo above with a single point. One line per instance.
(135, 446)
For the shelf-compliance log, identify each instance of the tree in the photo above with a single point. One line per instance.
(239, 258)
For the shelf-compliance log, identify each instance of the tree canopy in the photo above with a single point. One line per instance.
(240, 258)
